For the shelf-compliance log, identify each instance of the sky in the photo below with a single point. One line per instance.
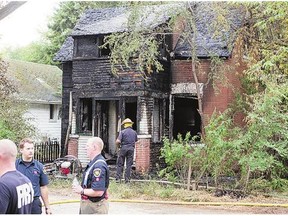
(23, 26)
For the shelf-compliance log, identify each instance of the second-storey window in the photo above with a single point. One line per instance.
(90, 47)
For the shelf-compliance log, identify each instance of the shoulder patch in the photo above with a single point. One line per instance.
(97, 172)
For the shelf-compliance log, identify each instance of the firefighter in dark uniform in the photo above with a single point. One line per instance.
(126, 141)
(95, 181)
(34, 170)
(16, 191)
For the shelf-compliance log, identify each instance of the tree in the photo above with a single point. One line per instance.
(33, 52)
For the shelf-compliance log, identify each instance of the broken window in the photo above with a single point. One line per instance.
(89, 46)
(186, 117)
(103, 51)
(84, 47)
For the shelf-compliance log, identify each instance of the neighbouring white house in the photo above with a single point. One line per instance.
(40, 86)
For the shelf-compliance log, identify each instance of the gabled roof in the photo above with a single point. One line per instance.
(36, 83)
(111, 20)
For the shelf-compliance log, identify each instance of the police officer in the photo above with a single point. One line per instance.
(34, 170)
(95, 180)
(17, 193)
(126, 140)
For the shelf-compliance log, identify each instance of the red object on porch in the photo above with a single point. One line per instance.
(65, 171)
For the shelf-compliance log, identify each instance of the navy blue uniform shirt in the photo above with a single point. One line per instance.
(98, 177)
(128, 137)
(16, 193)
(35, 173)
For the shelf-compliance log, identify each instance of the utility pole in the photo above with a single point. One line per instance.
(8, 8)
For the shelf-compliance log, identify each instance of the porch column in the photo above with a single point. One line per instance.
(73, 145)
(142, 158)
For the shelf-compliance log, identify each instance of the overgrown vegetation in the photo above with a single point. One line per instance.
(256, 155)
(151, 190)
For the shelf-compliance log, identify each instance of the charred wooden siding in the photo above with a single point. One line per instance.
(160, 81)
(156, 162)
(67, 86)
(93, 78)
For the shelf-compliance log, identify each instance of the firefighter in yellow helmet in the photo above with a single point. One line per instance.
(126, 140)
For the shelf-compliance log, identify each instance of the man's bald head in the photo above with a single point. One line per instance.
(8, 149)
(96, 141)
(94, 146)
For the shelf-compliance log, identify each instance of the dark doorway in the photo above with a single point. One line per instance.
(105, 123)
(131, 111)
(86, 116)
(101, 122)
(186, 117)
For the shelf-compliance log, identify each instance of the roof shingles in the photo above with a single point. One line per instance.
(111, 20)
(37, 83)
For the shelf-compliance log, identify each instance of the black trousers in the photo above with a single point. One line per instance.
(126, 153)
(36, 206)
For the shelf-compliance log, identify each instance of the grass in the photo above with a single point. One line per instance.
(154, 191)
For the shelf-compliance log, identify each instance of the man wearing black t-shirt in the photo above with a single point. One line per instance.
(17, 193)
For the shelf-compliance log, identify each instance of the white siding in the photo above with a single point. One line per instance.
(112, 128)
(40, 114)
(82, 153)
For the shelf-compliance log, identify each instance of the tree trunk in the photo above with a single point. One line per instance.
(199, 97)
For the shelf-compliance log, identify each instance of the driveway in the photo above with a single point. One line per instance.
(123, 208)
(69, 204)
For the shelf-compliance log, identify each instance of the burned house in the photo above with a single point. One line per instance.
(95, 100)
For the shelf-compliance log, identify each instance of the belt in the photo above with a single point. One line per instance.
(89, 201)
(86, 198)
(36, 197)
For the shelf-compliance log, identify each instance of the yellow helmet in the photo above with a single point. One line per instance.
(127, 123)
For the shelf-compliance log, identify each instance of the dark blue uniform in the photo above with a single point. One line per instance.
(16, 193)
(34, 171)
(95, 176)
(128, 137)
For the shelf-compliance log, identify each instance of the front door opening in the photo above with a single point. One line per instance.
(131, 112)
(106, 124)
(186, 117)
(86, 116)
